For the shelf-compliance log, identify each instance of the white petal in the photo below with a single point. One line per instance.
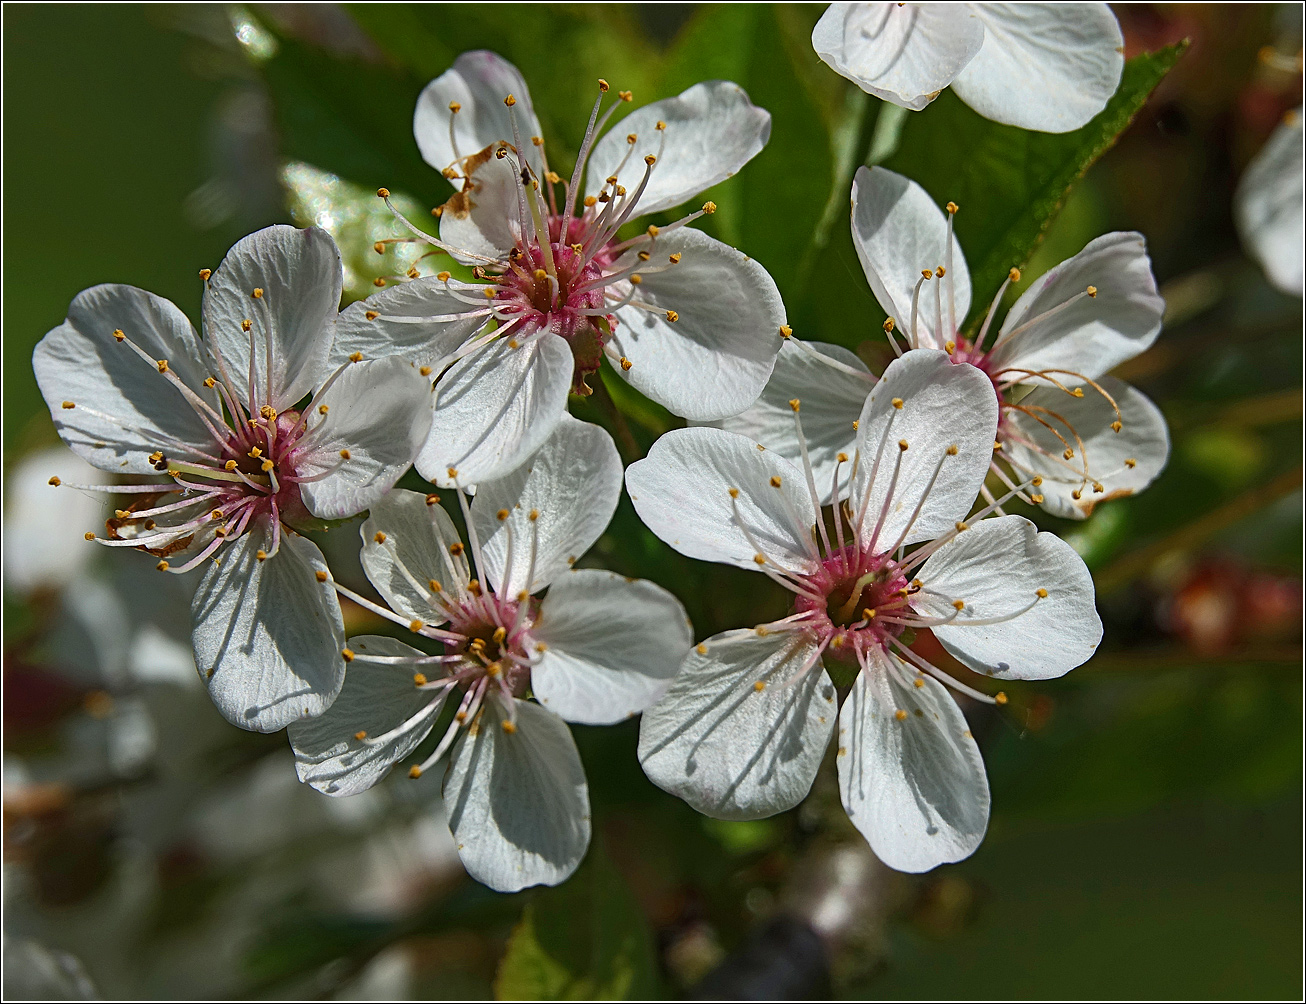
(139, 411)
(517, 802)
(899, 232)
(483, 219)
(43, 524)
(682, 492)
(397, 331)
(831, 400)
(416, 537)
(1044, 66)
(573, 482)
(1268, 206)
(379, 413)
(903, 53)
(715, 358)
(1096, 333)
(267, 634)
(945, 404)
(495, 408)
(915, 788)
(1143, 439)
(613, 646)
(478, 81)
(733, 751)
(712, 130)
(300, 274)
(996, 568)
(377, 699)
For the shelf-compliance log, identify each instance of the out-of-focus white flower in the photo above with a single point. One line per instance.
(689, 321)
(597, 649)
(745, 723)
(134, 391)
(1268, 206)
(1044, 66)
(42, 528)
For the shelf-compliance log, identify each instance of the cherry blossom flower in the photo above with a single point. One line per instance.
(597, 649)
(1268, 206)
(741, 731)
(1089, 436)
(687, 320)
(261, 439)
(1049, 67)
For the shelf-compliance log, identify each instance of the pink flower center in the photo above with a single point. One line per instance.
(857, 588)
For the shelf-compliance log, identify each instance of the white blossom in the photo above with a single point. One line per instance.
(596, 649)
(1049, 67)
(744, 726)
(1091, 437)
(1268, 206)
(687, 320)
(135, 392)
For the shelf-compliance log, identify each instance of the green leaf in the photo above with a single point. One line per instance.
(1009, 182)
(585, 939)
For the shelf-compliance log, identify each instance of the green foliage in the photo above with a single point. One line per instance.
(584, 940)
(1010, 183)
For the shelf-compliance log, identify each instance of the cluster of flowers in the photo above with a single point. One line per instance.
(856, 492)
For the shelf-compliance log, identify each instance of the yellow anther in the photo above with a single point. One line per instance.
(541, 275)
(456, 548)
(121, 513)
(761, 631)
(997, 445)
(786, 331)
(210, 382)
(68, 405)
(927, 273)
(897, 403)
(118, 335)
(672, 316)
(88, 535)
(419, 679)
(842, 458)
(900, 715)
(55, 481)
(940, 271)
(1036, 499)
(888, 325)
(1076, 495)
(1000, 697)
(360, 735)
(794, 403)
(383, 193)
(1042, 594)
(510, 101)
(513, 343)
(959, 604)
(650, 160)
(500, 633)
(1014, 275)
(1092, 291)
(414, 772)
(378, 282)
(589, 201)
(1116, 426)
(320, 575)
(1097, 487)
(533, 515)
(1131, 462)
(455, 107)
(435, 586)
(162, 566)
(951, 207)
(760, 559)
(652, 230)
(415, 626)
(902, 445)
(205, 273)
(734, 493)
(1069, 453)
(961, 525)
(444, 276)
(674, 258)
(856, 422)
(452, 472)
(508, 727)
(701, 649)
(952, 450)
(603, 85)
(261, 555)
(379, 247)
(501, 515)
(255, 453)
(424, 370)
(163, 365)
(379, 537)
(345, 454)
(626, 364)
(626, 95)
(230, 465)
(759, 686)
(868, 613)
(355, 357)
(950, 347)
(636, 279)
(1036, 480)
(1077, 392)
(450, 173)
(775, 480)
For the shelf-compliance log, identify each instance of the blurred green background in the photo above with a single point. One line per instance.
(1146, 832)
